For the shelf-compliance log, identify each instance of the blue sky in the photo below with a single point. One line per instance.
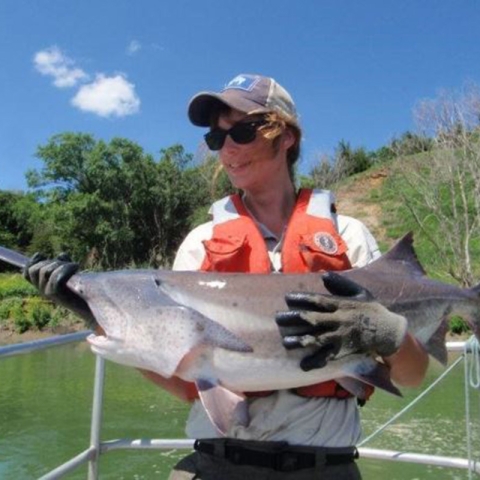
(128, 68)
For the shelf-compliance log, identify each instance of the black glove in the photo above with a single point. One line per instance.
(346, 322)
(51, 277)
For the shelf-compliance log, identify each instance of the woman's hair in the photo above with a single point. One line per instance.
(272, 130)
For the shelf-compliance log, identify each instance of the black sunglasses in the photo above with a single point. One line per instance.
(242, 133)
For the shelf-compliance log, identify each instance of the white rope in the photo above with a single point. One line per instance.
(472, 379)
(473, 347)
(412, 403)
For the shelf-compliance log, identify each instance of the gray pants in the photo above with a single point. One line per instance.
(205, 466)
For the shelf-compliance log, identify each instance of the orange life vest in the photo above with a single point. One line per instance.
(311, 244)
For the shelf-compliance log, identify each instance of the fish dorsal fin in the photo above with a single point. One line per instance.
(402, 256)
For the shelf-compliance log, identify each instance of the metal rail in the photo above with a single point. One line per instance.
(35, 345)
(97, 447)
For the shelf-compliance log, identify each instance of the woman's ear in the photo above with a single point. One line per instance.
(288, 138)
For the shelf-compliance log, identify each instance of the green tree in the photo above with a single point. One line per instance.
(18, 216)
(353, 160)
(110, 204)
(410, 144)
(16, 219)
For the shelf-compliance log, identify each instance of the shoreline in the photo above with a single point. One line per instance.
(10, 337)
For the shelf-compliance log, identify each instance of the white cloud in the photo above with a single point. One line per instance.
(53, 62)
(133, 47)
(108, 96)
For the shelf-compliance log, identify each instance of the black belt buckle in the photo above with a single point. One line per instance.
(235, 455)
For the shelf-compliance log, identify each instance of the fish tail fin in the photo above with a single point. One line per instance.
(474, 319)
(435, 345)
(476, 290)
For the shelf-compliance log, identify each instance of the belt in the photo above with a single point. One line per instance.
(275, 455)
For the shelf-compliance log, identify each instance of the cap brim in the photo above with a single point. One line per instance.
(202, 105)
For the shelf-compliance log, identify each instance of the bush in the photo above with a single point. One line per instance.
(14, 285)
(58, 315)
(20, 320)
(38, 312)
(26, 313)
(458, 326)
(8, 305)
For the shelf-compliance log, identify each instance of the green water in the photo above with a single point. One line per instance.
(45, 406)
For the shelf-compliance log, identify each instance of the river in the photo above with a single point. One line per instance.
(45, 406)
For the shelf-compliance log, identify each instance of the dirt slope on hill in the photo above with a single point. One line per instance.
(354, 199)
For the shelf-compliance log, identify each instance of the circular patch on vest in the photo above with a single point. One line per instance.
(325, 242)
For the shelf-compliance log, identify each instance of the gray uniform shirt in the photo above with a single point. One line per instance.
(284, 416)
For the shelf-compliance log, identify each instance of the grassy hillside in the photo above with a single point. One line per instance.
(373, 197)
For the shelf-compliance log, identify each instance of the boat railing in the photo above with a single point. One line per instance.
(97, 447)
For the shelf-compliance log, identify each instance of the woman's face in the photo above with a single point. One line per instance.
(254, 165)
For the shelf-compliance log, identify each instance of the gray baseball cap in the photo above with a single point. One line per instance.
(247, 93)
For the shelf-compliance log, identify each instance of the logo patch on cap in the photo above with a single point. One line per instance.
(243, 82)
(326, 243)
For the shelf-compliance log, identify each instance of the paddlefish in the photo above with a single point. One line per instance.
(218, 330)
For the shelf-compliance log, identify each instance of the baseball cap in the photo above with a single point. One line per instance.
(247, 93)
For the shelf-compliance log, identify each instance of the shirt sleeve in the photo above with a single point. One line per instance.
(191, 252)
(362, 246)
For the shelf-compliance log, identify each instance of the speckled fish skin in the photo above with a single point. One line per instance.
(193, 324)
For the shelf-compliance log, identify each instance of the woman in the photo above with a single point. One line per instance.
(271, 227)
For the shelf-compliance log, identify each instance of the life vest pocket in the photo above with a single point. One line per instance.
(222, 253)
(323, 251)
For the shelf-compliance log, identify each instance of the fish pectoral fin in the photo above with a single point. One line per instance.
(216, 335)
(224, 407)
(377, 375)
(209, 331)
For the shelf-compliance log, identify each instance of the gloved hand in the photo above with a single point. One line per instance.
(350, 321)
(51, 277)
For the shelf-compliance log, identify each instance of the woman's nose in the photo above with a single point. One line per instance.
(229, 144)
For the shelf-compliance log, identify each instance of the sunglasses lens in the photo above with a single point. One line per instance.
(241, 133)
(215, 139)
